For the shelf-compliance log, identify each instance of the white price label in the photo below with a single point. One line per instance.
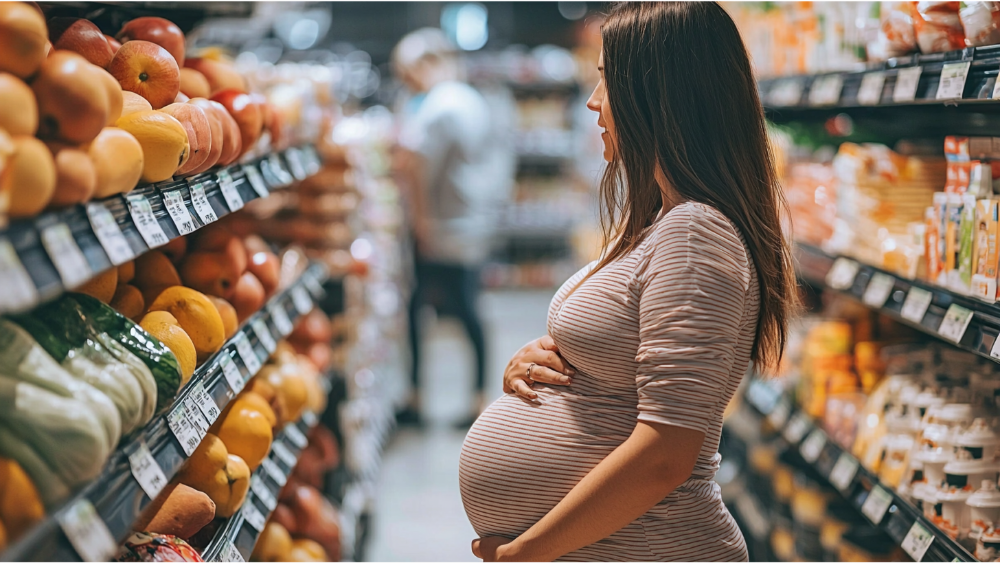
(796, 428)
(256, 180)
(109, 234)
(314, 286)
(296, 437)
(878, 289)
(952, 84)
(199, 199)
(916, 304)
(252, 515)
(283, 453)
(146, 471)
(906, 84)
(825, 90)
(247, 353)
(194, 415)
(145, 221)
(229, 191)
(813, 446)
(274, 471)
(300, 298)
(173, 200)
(19, 290)
(261, 491)
(279, 170)
(841, 275)
(280, 317)
(295, 166)
(264, 335)
(870, 93)
(231, 372)
(787, 92)
(65, 253)
(87, 532)
(206, 404)
(779, 416)
(184, 430)
(229, 554)
(955, 321)
(312, 159)
(917, 540)
(877, 504)
(309, 417)
(843, 471)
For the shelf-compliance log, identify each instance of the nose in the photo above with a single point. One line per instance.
(594, 102)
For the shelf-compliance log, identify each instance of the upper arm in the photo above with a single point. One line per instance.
(691, 306)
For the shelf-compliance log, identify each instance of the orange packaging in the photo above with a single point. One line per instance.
(956, 148)
(984, 278)
(932, 244)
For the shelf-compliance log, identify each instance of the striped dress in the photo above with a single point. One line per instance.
(663, 335)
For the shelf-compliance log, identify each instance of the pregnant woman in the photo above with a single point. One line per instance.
(606, 444)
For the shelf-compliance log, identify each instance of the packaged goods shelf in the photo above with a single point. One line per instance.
(879, 503)
(42, 257)
(116, 496)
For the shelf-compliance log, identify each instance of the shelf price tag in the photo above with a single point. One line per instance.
(199, 199)
(264, 335)
(279, 170)
(19, 290)
(229, 191)
(146, 471)
(256, 180)
(955, 321)
(274, 471)
(878, 290)
(870, 93)
(314, 286)
(841, 275)
(280, 317)
(952, 84)
(877, 504)
(260, 490)
(65, 253)
(174, 202)
(917, 540)
(184, 430)
(145, 221)
(309, 417)
(231, 372)
(87, 532)
(996, 90)
(906, 84)
(788, 92)
(796, 428)
(916, 304)
(109, 234)
(206, 404)
(825, 90)
(300, 298)
(194, 415)
(843, 471)
(779, 415)
(295, 436)
(813, 446)
(247, 354)
(284, 454)
(229, 553)
(252, 515)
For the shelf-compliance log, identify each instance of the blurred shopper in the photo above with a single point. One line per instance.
(452, 165)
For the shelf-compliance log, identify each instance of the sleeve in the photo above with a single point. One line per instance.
(691, 306)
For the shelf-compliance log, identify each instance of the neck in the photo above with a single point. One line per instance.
(670, 196)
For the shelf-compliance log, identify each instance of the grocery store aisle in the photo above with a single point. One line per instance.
(418, 514)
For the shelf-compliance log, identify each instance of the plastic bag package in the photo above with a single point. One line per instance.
(937, 26)
(895, 33)
(981, 22)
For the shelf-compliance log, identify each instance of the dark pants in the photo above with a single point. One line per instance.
(452, 290)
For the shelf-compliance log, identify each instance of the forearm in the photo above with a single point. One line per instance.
(625, 485)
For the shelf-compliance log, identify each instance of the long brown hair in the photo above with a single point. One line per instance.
(683, 98)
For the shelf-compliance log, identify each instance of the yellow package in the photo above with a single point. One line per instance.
(984, 279)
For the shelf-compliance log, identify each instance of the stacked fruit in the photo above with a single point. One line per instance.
(84, 115)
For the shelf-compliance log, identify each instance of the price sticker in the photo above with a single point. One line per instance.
(841, 275)
(145, 221)
(906, 84)
(256, 180)
(65, 253)
(877, 504)
(295, 436)
(229, 554)
(184, 430)
(174, 202)
(194, 415)
(87, 532)
(878, 289)
(796, 428)
(205, 402)
(916, 304)
(19, 290)
(280, 317)
(952, 84)
(247, 353)
(252, 515)
(779, 416)
(314, 286)
(295, 166)
(279, 170)
(843, 472)
(274, 471)
(231, 372)
(825, 90)
(146, 471)
(788, 92)
(199, 199)
(264, 335)
(309, 417)
(917, 540)
(284, 454)
(260, 490)
(109, 234)
(229, 191)
(955, 321)
(813, 446)
(870, 93)
(300, 298)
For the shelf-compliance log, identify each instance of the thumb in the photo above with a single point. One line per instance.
(475, 548)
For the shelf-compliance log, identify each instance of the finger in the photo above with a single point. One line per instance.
(475, 548)
(542, 374)
(547, 343)
(552, 360)
(523, 389)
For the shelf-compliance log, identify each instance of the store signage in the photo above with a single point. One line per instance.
(19, 290)
(205, 402)
(813, 446)
(916, 304)
(878, 290)
(796, 428)
(233, 199)
(264, 335)
(870, 93)
(231, 372)
(174, 202)
(87, 532)
(66, 255)
(247, 353)
(955, 321)
(256, 180)
(826, 90)
(917, 541)
(952, 84)
(109, 234)
(907, 81)
(146, 471)
(841, 275)
(843, 472)
(201, 204)
(145, 221)
(877, 504)
(261, 491)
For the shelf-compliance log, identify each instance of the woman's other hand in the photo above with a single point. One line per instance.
(550, 367)
(490, 548)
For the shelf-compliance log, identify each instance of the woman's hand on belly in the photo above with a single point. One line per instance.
(490, 548)
(540, 357)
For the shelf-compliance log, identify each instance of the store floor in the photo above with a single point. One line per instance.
(418, 514)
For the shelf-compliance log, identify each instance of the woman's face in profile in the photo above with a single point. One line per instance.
(599, 103)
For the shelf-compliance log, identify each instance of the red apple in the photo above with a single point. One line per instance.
(194, 84)
(114, 43)
(199, 133)
(215, 125)
(81, 36)
(156, 30)
(220, 75)
(181, 98)
(148, 70)
(246, 112)
(232, 146)
(267, 269)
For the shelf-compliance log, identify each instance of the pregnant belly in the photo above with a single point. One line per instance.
(520, 459)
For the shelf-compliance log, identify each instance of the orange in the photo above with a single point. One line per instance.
(246, 433)
(115, 95)
(228, 314)
(196, 315)
(118, 160)
(18, 109)
(29, 179)
(254, 401)
(126, 272)
(175, 338)
(20, 506)
(132, 102)
(128, 301)
(102, 286)
(159, 317)
(23, 37)
(154, 269)
(224, 477)
(163, 139)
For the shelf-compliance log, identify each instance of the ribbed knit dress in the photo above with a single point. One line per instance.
(663, 335)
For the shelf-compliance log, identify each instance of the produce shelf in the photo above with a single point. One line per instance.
(42, 257)
(886, 510)
(962, 321)
(116, 497)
